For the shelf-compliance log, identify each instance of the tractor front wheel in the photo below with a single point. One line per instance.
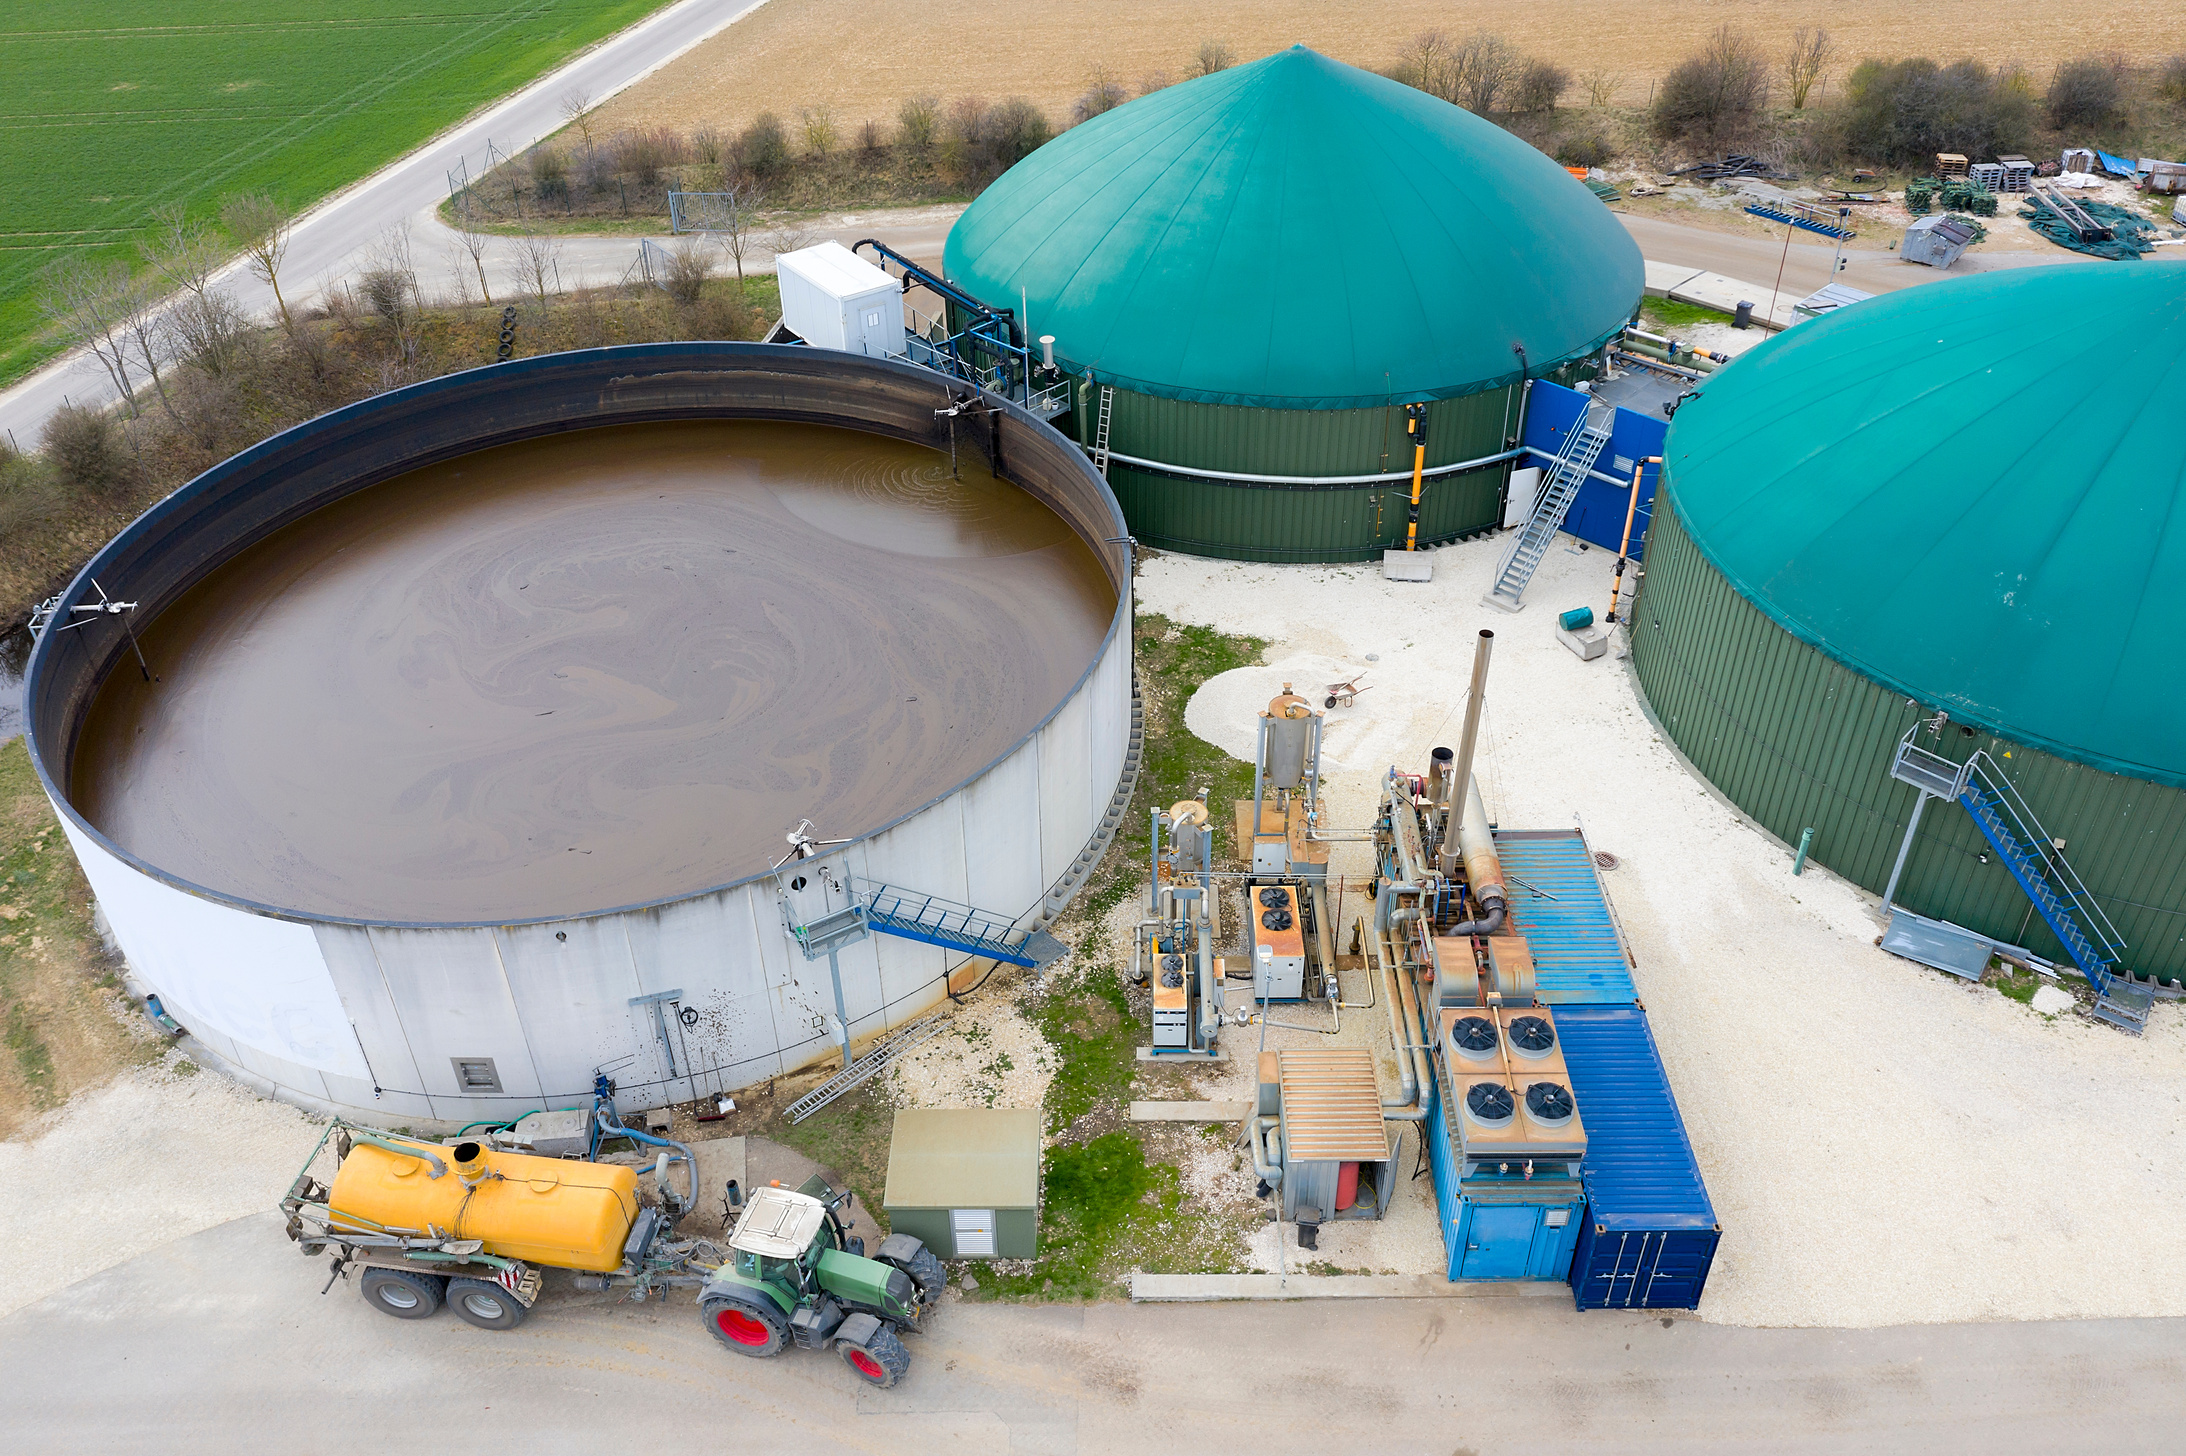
(747, 1328)
(880, 1361)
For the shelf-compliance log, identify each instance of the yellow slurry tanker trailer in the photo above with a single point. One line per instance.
(474, 1226)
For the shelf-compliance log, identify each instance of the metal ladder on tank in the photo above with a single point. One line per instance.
(1100, 430)
(1581, 449)
(2059, 895)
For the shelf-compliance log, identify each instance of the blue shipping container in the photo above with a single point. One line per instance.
(1649, 1233)
(1495, 1227)
(1557, 904)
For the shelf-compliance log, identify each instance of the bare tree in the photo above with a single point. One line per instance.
(1212, 56)
(1716, 98)
(1424, 64)
(1103, 92)
(1809, 56)
(86, 301)
(790, 236)
(689, 266)
(744, 199)
(1154, 81)
(389, 288)
(918, 120)
(261, 225)
(473, 242)
(150, 335)
(1481, 67)
(539, 259)
(180, 250)
(577, 112)
(821, 135)
(1601, 85)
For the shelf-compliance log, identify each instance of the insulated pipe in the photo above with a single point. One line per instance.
(1407, 1082)
(1263, 1162)
(1210, 1007)
(1408, 1002)
(1483, 866)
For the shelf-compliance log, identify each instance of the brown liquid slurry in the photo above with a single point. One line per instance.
(595, 670)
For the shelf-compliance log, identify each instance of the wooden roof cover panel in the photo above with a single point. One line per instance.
(1331, 1105)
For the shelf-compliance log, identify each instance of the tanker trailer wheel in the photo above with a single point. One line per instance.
(747, 1328)
(401, 1293)
(880, 1362)
(485, 1304)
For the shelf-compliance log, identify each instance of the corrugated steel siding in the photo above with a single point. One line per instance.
(1798, 741)
(1558, 905)
(1300, 523)
(1650, 1232)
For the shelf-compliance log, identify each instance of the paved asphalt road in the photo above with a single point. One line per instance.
(333, 237)
(220, 1342)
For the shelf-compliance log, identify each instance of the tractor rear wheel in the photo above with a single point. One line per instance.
(485, 1304)
(401, 1293)
(918, 1262)
(880, 1361)
(747, 1327)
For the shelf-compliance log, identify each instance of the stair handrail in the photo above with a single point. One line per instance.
(984, 924)
(1989, 774)
(1578, 431)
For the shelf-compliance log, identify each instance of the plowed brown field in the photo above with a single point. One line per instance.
(860, 61)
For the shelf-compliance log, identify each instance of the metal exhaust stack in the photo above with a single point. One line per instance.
(1461, 772)
(1467, 837)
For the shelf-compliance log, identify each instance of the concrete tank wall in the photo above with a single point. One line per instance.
(370, 1018)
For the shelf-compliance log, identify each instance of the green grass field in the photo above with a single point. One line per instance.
(108, 111)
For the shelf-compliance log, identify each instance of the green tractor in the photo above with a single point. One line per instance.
(795, 1275)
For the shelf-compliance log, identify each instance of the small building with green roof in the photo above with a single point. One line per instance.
(1255, 271)
(1954, 516)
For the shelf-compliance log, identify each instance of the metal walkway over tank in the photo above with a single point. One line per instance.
(2037, 862)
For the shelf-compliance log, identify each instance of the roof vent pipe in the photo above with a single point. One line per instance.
(1438, 777)
(1461, 771)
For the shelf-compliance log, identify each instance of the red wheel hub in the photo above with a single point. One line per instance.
(742, 1328)
(867, 1365)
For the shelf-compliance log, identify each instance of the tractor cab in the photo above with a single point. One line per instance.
(781, 1237)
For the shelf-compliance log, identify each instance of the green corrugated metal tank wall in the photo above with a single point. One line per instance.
(1265, 265)
(1830, 565)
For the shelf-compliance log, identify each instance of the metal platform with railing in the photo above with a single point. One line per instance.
(2037, 863)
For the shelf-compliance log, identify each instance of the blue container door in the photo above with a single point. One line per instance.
(1643, 1269)
(1499, 1243)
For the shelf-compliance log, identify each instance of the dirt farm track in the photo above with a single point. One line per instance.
(859, 62)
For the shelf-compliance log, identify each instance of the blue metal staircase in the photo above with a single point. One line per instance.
(2037, 862)
(2060, 897)
(1582, 447)
(932, 920)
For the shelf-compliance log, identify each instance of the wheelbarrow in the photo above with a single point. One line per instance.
(1343, 694)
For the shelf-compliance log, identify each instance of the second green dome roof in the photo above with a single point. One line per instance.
(1971, 491)
(1297, 233)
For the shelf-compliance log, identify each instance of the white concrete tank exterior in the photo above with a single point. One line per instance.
(421, 1021)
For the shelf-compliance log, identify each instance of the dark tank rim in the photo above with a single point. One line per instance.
(205, 522)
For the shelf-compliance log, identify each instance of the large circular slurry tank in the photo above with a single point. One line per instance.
(478, 712)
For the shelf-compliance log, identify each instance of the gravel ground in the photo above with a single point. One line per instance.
(145, 1159)
(1884, 1144)
(990, 1055)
